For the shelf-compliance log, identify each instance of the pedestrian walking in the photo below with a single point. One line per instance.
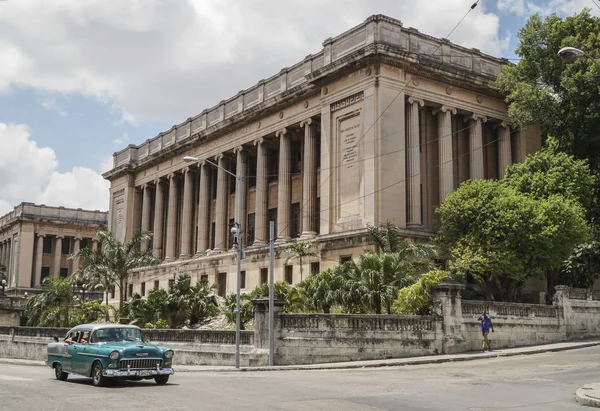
(486, 325)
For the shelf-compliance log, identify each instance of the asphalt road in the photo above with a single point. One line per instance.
(534, 382)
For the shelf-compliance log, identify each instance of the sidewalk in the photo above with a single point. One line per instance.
(589, 395)
(432, 359)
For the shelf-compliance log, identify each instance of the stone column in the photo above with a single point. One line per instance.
(2, 253)
(146, 209)
(414, 163)
(76, 248)
(188, 206)
(309, 179)
(57, 255)
(261, 323)
(159, 211)
(172, 218)
(446, 166)
(39, 253)
(284, 192)
(241, 167)
(262, 193)
(504, 149)
(447, 304)
(94, 244)
(476, 146)
(221, 242)
(203, 209)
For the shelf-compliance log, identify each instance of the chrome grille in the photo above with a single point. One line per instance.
(140, 363)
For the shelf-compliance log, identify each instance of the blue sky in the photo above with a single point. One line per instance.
(80, 80)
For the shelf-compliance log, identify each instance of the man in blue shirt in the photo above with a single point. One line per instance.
(486, 325)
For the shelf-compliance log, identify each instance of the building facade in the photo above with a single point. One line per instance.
(381, 124)
(37, 240)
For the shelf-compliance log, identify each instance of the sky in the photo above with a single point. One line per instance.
(81, 79)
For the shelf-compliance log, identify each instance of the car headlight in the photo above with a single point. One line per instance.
(114, 355)
(169, 354)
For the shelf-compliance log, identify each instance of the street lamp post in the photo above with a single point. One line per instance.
(2, 287)
(570, 54)
(237, 231)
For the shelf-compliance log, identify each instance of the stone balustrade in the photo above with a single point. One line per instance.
(42, 212)
(470, 308)
(357, 322)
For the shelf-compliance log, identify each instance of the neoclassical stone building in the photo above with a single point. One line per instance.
(381, 124)
(36, 241)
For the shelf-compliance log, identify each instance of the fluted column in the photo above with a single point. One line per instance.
(414, 163)
(446, 166)
(146, 209)
(262, 193)
(221, 211)
(2, 252)
(309, 179)
(241, 168)
(203, 209)
(504, 149)
(39, 252)
(476, 146)
(57, 255)
(284, 192)
(188, 206)
(172, 218)
(159, 211)
(76, 248)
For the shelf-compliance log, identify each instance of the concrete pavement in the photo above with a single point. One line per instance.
(589, 395)
(432, 359)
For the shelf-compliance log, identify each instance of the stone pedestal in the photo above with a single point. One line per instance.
(261, 322)
(447, 304)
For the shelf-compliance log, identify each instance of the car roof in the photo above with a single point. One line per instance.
(102, 326)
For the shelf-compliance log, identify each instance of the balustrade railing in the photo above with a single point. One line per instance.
(199, 336)
(357, 322)
(508, 309)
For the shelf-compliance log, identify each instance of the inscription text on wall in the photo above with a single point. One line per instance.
(348, 101)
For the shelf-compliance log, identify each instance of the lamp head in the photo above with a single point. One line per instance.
(569, 54)
(190, 159)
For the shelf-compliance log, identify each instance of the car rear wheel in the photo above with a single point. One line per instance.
(161, 379)
(97, 378)
(59, 373)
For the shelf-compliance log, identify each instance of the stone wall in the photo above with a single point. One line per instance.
(319, 338)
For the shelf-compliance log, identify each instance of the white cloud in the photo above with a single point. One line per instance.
(28, 173)
(525, 8)
(167, 60)
(107, 164)
(50, 104)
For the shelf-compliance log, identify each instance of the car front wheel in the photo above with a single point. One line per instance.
(97, 378)
(161, 379)
(59, 373)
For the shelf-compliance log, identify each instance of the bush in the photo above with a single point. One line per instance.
(416, 298)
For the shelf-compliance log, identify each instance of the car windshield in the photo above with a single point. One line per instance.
(117, 334)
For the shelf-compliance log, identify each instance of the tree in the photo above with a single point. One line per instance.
(387, 238)
(2, 272)
(300, 250)
(324, 290)
(50, 308)
(112, 262)
(582, 268)
(500, 236)
(191, 302)
(417, 298)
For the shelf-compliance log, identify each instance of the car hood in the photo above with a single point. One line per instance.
(135, 350)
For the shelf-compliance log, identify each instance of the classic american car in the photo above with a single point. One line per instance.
(103, 351)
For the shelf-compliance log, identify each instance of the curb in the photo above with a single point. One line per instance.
(581, 396)
(362, 364)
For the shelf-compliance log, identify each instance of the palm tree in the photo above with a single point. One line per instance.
(324, 290)
(50, 308)
(387, 238)
(299, 250)
(112, 262)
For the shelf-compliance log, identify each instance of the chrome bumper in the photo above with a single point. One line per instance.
(137, 373)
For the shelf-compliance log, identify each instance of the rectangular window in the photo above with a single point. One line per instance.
(84, 243)
(130, 291)
(296, 220)
(289, 274)
(273, 164)
(213, 233)
(221, 284)
(251, 232)
(242, 279)
(143, 289)
(296, 157)
(315, 268)
(213, 184)
(45, 273)
(66, 246)
(64, 272)
(252, 171)
(156, 284)
(345, 259)
(112, 292)
(232, 182)
(204, 278)
(47, 245)
(171, 284)
(264, 275)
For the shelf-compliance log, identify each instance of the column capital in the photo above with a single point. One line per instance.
(239, 149)
(41, 235)
(306, 123)
(282, 132)
(476, 117)
(60, 237)
(444, 109)
(413, 100)
(504, 124)
(78, 237)
(158, 180)
(259, 141)
(219, 157)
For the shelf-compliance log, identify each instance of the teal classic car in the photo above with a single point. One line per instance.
(103, 351)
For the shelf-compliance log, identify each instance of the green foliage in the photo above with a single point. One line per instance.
(300, 250)
(416, 298)
(112, 262)
(88, 312)
(246, 309)
(324, 290)
(159, 324)
(501, 237)
(50, 308)
(2, 272)
(582, 268)
(387, 238)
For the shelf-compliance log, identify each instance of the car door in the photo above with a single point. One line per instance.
(80, 359)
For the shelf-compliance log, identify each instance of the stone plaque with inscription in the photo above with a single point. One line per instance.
(349, 132)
